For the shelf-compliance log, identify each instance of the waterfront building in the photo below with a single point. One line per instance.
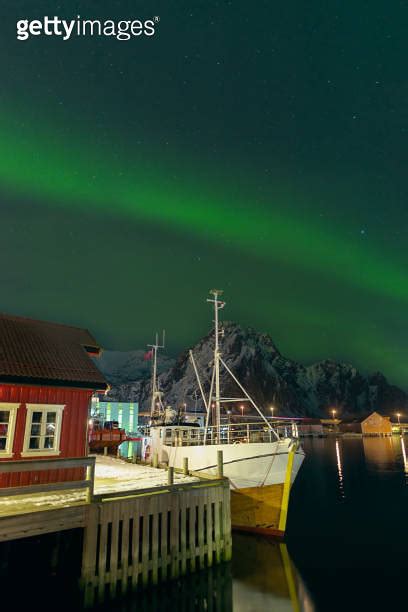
(399, 423)
(330, 425)
(373, 424)
(125, 413)
(310, 427)
(47, 379)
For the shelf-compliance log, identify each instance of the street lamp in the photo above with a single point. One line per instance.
(333, 411)
(242, 411)
(272, 409)
(399, 422)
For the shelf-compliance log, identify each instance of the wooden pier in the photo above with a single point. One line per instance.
(131, 538)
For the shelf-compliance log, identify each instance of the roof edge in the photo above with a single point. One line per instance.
(50, 382)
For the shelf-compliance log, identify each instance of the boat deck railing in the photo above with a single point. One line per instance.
(228, 433)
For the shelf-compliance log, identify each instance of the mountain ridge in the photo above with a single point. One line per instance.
(269, 377)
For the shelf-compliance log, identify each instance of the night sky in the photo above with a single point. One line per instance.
(259, 147)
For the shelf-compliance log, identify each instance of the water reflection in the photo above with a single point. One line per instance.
(404, 457)
(265, 577)
(201, 591)
(380, 453)
(340, 470)
(260, 577)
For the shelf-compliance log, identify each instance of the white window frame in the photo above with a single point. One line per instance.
(41, 452)
(7, 453)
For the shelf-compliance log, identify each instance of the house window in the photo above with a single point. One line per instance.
(43, 430)
(8, 414)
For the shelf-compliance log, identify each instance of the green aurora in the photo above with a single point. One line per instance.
(78, 178)
(136, 177)
(39, 165)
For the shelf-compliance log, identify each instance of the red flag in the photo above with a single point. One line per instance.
(148, 355)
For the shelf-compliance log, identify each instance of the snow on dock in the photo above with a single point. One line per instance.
(112, 475)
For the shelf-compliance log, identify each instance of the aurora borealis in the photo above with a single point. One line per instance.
(262, 152)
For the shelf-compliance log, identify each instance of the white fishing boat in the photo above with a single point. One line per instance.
(261, 460)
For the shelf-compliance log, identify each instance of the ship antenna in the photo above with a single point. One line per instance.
(217, 357)
(156, 394)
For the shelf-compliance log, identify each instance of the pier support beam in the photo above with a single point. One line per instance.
(220, 464)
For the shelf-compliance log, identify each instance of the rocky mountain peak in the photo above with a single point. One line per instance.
(270, 379)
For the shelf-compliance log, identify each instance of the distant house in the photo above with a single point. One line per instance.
(47, 379)
(373, 424)
(330, 425)
(310, 427)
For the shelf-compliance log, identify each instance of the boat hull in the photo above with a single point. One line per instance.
(258, 509)
(260, 477)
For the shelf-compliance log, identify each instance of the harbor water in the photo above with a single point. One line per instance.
(348, 528)
(346, 546)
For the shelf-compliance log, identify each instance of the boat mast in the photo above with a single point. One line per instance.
(156, 394)
(217, 356)
(215, 379)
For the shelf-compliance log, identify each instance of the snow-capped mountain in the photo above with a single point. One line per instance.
(121, 367)
(269, 377)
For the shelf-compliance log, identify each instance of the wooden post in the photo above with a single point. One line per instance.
(226, 517)
(185, 466)
(89, 553)
(90, 476)
(170, 476)
(155, 460)
(220, 464)
(105, 450)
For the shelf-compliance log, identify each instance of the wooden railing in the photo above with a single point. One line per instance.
(8, 467)
(230, 433)
(143, 537)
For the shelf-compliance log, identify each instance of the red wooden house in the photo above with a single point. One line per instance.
(47, 378)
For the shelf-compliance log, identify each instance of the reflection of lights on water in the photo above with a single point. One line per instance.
(340, 470)
(404, 455)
